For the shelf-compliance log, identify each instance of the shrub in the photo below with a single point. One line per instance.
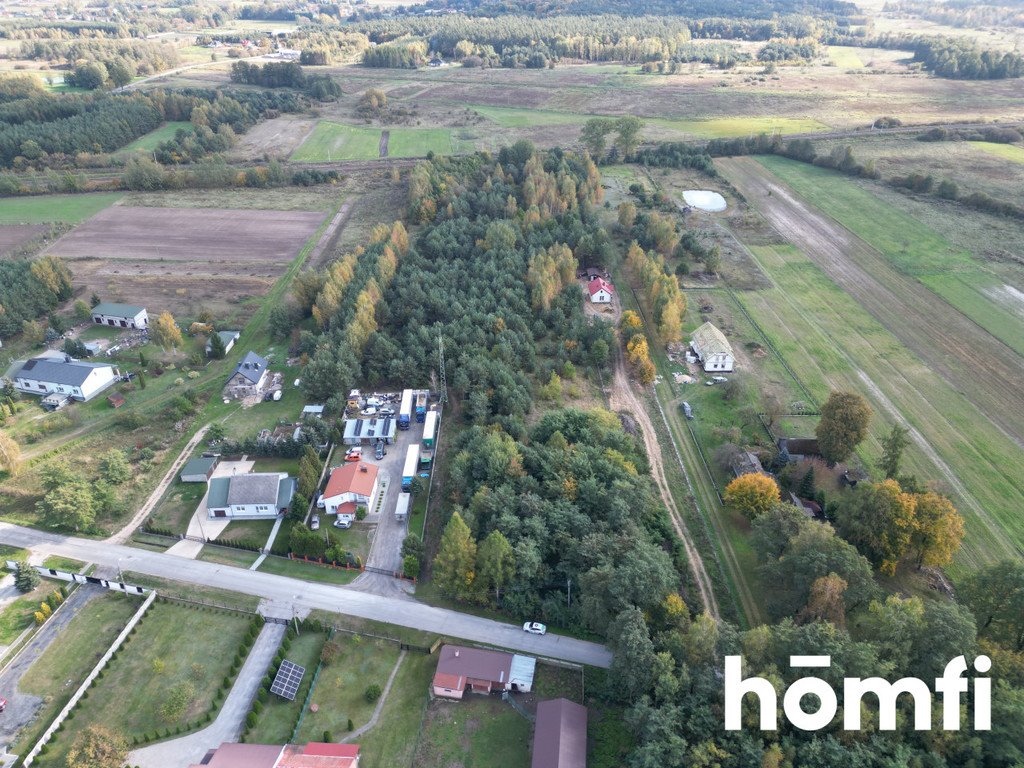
(372, 693)
(351, 725)
(250, 720)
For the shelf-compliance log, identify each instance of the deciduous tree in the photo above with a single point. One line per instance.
(495, 563)
(843, 425)
(165, 331)
(752, 494)
(938, 530)
(878, 519)
(892, 451)
(995, 595)
(454, 565)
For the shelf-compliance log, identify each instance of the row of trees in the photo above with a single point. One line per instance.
(285, 74)
(29, 290)
(661, 292)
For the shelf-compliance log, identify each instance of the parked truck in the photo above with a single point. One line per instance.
(430, 429)
(412, 466)
(421, 405)
(405, 410)
(426, 459)
(402, 508)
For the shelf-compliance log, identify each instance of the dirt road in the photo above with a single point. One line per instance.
(975, 363)
(624, 398)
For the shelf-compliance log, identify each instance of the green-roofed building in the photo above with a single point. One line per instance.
(198, 470)
(120, 315)
(252, 496)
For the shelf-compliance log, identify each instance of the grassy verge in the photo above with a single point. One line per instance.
(235, 557)
(298, 569)
(195, 592)
(391, 743)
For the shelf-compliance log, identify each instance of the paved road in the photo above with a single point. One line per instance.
(189, 750)
(303, 595)
(22, 707)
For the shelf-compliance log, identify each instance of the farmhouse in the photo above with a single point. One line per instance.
(198, 470)
(255, 496)
(745, 463)
(798, 448)
(560, 738)
(228, 337)
(352, 485)
(64, 376)
(481, 671)
(369, 431)
(312, 755)
(712, 349)
(120, 315)
(600, 291)
(249, 377)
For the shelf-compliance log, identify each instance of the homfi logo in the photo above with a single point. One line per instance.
(952, 685)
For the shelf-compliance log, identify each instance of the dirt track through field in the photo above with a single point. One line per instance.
(986, 371)
(623, 398)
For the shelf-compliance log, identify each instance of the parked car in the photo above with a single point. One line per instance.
(320, 501)
(3, 703)
(354, 454)
(374, 402)
(379, 452)
(719, 379)
(342, 522)
(314, 523)
(386, 412)
(535, 628)
(371, 411)
(687, 410)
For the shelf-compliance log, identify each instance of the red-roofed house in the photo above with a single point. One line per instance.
(481, 671)
(352, 485)
(312, 755)
(600, 291)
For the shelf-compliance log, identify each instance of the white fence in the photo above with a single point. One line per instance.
(80, 578)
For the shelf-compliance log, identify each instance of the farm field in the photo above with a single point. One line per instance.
(181, 652)
(151, 140)
(845, 57)
(335, 141)
(1005, 151)
(836, 344)
(482, 732)
(62, 667)
(61, 208)
(887, 272)
(184, 259)
(13, 236)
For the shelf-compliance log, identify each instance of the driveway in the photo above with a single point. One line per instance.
(190, 750)
(200, 525)
(302, 595)
(22, 707)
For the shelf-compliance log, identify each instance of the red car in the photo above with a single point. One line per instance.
(3, 703)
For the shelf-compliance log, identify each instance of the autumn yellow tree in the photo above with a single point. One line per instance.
(825, 601)
(938, 530)
(630, 323)
(10, 454)
(165, 332)
(752, 494)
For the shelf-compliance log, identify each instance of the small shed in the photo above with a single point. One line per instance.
(745, 463)
(198, 470)
(228, 337)
(314, 411)
(116, 399)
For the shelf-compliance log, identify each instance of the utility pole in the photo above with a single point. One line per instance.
(444, 378)
(568, 583)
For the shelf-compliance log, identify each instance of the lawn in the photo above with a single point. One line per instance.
(176, 650)
(19, 615)
(71, 656)
(150, 141)
(475, 733)
(298, 569)
(274, 725)
(835, 344)
(336, 141)
(1010, 152)
(237, 557)
(908, 244)
(44, 208)
(845, 57)
(392, 741)
(417, 142)
(181, 590)
(339, 693)
(178, 505)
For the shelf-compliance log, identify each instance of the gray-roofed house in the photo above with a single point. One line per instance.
(712, 349)
(253, 496)
(248, 378)
(198, 470)
(120, 315)
(66, 376)
(228, 337)
(481, 671)
(560, 738)
(745, 463)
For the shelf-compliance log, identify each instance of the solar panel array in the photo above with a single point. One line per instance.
(286, 682)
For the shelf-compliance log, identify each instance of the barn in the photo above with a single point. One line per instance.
(712, 349)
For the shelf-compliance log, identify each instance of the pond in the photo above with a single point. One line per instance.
(704, 200)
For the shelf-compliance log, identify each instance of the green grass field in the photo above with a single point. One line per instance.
(417, 142)
(19, 615)
(150, 141)
(845, 57)
(274, 725)
(392, 741)
(724, 127)
(1006, 151)
(334, 141)
(909, 245)
(175, 649)
(835, 344)
(45, 208)
(479, 732)
(341, 686)
(71, 656)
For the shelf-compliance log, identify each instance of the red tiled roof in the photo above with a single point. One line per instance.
(319, 755)
(451, 682)
(354, 477)
(596, 285)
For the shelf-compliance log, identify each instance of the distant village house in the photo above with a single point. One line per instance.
(120, 316)
(712, 349)
(312, 755)
(480, 671)
(601, 291)
(249, 377)
(64, 376)
(560, 737)
(228, 337)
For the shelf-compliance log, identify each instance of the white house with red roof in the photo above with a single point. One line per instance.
(311, 755)
(601, 291)
(352, 485)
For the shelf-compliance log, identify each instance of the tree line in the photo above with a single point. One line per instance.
(29, 290)
(285, 74)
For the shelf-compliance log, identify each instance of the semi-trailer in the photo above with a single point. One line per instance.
(430, 429)
(405, 409)
(412, 466)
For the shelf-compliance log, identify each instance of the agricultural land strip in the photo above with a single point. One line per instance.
(1005, 151)
(13, 236)
(46, 208)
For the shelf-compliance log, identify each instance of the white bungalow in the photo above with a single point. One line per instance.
(713, 349)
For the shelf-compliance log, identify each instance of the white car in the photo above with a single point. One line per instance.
(535, 628)
(314, 523)
(719, 379)
(371, 411)
(342, 522)
(320, 502)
